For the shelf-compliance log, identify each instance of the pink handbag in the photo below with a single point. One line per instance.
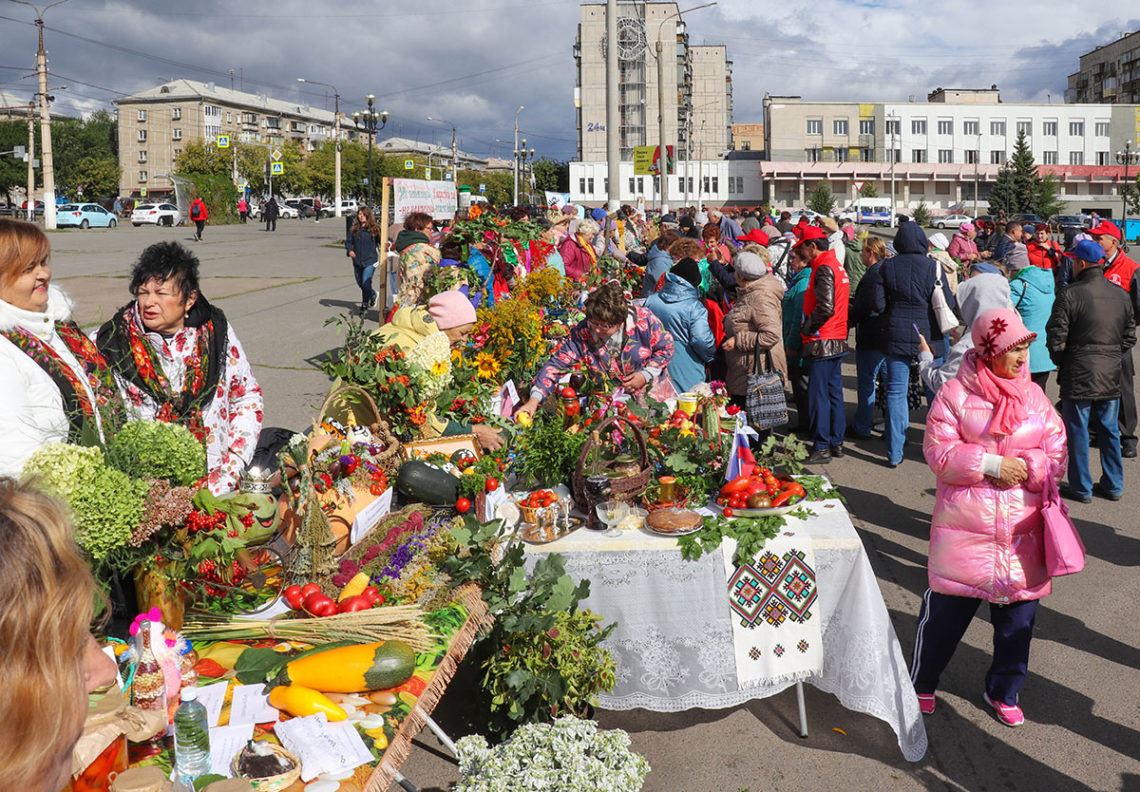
(1064, 550)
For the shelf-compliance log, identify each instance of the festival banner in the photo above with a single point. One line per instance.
(437, 198)
(646, 160)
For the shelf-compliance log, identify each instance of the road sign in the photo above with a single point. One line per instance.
(482, 188)
(427, 173)
(858, 186)
(276, 155)
(223, 141)
(409, 164)
(142, 192)
(277, 168)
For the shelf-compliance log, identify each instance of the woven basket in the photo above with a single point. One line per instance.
(345, 399)
(627, 488)
(273, 783)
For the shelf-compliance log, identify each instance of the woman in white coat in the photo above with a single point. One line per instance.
(55, 386)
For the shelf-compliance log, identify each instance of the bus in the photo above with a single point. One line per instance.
(870, 211)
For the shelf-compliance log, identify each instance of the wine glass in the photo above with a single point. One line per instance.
(612, 513)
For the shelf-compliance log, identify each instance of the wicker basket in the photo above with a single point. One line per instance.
(627, 488)
(273, 783)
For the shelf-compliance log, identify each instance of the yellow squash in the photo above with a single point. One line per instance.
(301, 701)
(353, 669)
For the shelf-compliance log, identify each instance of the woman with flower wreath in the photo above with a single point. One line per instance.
(177, 359)
(55, 386)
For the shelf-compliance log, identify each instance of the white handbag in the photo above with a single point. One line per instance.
(943, 313)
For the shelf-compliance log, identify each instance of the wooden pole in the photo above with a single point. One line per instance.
(382, 303)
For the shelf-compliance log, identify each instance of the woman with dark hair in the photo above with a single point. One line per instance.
(626, 344)
(417, 255)
(361, 246)
(54, 385)
(176, 359)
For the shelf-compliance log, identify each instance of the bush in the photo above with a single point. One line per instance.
(821, 199)
(922, 214)
(219, 193)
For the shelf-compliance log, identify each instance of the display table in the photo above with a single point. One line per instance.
(674, 646)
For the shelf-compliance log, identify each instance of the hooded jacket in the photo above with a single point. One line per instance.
(755, 321)
(853, 262)
(658, 263)
(792, 306)
(870, 325)
(962, 248)
(1090, 330)
(976, 295)
(987, 542)
(904, 290)
(1032, 292)
(679, 308)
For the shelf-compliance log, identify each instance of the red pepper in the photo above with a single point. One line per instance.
(785, 498)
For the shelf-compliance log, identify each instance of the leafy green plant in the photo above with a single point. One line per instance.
(785, 454)
(750, 533)
(546, 451)
(821, 199)
(922, 214)
(157, 450)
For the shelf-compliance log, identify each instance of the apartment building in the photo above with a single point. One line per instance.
(711, 115)
(1109, 74)
(747, 137)
(156, 124)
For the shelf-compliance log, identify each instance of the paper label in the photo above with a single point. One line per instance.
(508, 397)
(492, 501)
(212, 697)
(321, 746)
(370, 515)
(226, 742)
(251, 705)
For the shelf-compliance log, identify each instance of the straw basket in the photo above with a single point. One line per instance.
(272, 783)
(626, 488)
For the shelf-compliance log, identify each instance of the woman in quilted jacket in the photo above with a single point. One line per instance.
(993, 439)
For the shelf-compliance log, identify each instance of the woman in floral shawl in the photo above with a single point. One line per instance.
(177, 359)
(626, 344)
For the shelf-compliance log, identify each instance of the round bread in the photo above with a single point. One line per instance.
(673, 520)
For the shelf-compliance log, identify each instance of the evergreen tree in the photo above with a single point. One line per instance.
(1018, 187)
(1048, 201)
(868, 190)
(821, 199)
(1003, 197)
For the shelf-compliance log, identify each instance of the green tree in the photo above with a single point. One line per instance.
(77, 141)
(197, 157)
(551, 175)
(922, 214)
(868, 190)
(321, 165)
(821, 199)
(97, 177)
(1131, 195)
(1017, 187)
(500, 186)
(13, 170)
(1048, 200)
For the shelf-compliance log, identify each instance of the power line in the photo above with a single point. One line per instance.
(448, 13)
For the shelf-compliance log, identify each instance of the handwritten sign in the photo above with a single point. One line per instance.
(437, 198)
(321, 746)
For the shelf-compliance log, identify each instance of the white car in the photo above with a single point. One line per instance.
(163, 214)
(808, 213)
(348, 207)
(284, 212)
(952, 221)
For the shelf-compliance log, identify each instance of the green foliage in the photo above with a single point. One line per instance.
(546, 452)
(1017, 187)
(500, 186)
(821, 199)
(13, 170)
(97, 176)
(551, 175)
(1131, 195)
(157, 450)
(85, 155)
(1048, 201)
(750, 533)
(198, 158)
(219, 193)
(868, 190)
(922, 214)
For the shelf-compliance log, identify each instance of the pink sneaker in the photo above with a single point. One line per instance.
(1009, 714)
(926, 703)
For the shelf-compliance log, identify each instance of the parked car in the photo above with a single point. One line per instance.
(1027, 219)
(808, 213)
(84, 216)
(1064, 222)
(284, 211)
(348, 207)
(951, 221)
(39, 208)
(162, 214)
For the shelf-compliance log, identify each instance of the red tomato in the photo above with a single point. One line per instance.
(325, 607)
(463, 505)
(354, 604)
(569, 393)
(308, 590)
(316, 601)
(491, 484)
(294, 597)
(728, 511)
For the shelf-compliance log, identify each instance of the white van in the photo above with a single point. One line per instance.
(871, 211)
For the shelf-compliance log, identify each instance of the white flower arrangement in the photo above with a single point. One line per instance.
(433, 357)
(568, 755)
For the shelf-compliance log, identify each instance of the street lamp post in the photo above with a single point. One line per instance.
(336, 136)
(523, 154)
(454, 150)
(893, 155)
(370, 122)
(516, 193)
(1125, 158)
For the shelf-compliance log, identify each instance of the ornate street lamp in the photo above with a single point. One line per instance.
(370, 122)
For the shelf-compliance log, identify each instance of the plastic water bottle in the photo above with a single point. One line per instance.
(191, 740)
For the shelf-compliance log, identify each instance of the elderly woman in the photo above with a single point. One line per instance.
(981, 292)
(658, 262)
(963, 248)
(55, 386)
(993, 440)
(177, 359)
(621, 342)
(577, 249)
(679, 308)
(417, 256)
(754, 324)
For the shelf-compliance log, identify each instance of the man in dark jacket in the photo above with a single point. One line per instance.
(1120, 270)
(271, 212)
(1003, 243)
(1090, 330)
(824, 335)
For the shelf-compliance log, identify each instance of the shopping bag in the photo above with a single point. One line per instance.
(1064, 550)
(766, 405)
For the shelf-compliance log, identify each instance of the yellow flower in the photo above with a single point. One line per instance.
(439, 368)
(486, 365)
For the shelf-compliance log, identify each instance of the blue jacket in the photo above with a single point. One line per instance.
(1032, 290)
(679, 307)
(658, 263)
(364, 245)
(903, 292)
(793, 307)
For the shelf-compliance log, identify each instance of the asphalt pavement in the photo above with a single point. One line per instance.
(1081, 700)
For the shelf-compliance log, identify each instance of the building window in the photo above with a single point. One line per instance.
(212, 132)
(841, 155)
(1049, 129)
(896, 154)
(839, 126)
(229, 118)
(631, 189)
(142, 136)
(892, 126)
(640, 185)
(1025, 128)
(866, 126)
(971, 156)
(731, 185)
(1102, 129)
(813, 154)
(997, 157)
(918, 155)
(176, 114)
(249, 118)
(582, 185)
(918, 127)
(273, 123)
(867, 154)
(945, 156)
(1049, 157)
(689, 187)
(715, 185)
(942, 188)
(590, 185)
(746, 145)
(1077, 128)
(1102, 158)
(945, 126)
(142, 156)
(815, 126)
(142, 115)
(176, 134)
(177, 153)
(739, 185)
(1076, 158)
(212, 111)
(142, 176)
(970, 128)
(997, 127)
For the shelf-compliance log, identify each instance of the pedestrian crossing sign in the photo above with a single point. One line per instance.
(409, 164)
(277, 168)
(223, 141)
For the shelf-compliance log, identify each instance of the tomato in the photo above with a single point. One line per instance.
(317, 601)
(738, 484)
(754, 487)
(569, 393)
(211, 669)
(491, 484)
(354, 604)
(294, 597)
(325, 607)
(308, 590)
(728, 511)
(463, 505)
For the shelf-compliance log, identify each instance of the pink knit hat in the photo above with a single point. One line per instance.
(451, 309)
(997, 331)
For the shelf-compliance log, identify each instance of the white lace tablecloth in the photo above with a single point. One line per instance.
(673, 643)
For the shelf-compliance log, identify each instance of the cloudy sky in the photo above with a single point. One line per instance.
(474, 61)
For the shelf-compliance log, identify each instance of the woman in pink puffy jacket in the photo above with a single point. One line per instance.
(992, 439)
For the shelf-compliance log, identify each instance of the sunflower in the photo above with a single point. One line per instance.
(440, 368)
(486, 365)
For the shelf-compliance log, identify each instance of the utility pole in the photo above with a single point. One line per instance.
(977, 159)
(336, 137)
(31, 160)
(454, 160)
(894, 131)
(516, 193)
(613, 121)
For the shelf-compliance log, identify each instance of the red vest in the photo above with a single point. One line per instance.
(835, 328)
(1121, 271)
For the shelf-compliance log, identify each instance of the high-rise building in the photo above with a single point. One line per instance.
(697, 83)
(1109, 74)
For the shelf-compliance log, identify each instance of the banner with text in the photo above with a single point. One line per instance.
(647, 160)
(437, 198)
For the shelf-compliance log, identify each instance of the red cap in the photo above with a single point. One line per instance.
(755, 235)
(1106, 228)
(810, 233)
